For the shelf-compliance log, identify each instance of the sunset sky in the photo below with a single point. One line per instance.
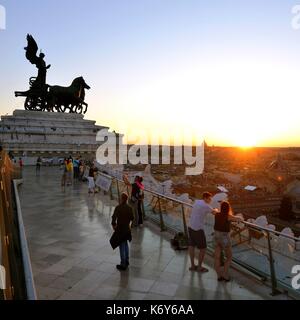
(225, 70)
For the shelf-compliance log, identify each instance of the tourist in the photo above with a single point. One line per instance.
(139, 182)
(121, 223)
(136, 194)
(21, 164)
(38, 165)
(76, 168)
(91, 180)
(69, 171)
(222, 239)
(64, 176)
(81, 170)
(197, 238)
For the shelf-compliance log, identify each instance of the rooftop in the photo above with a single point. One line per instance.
(68, 235)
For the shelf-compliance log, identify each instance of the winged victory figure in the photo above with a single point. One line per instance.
(31, 55)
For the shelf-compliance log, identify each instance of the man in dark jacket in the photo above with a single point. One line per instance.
(121, 222)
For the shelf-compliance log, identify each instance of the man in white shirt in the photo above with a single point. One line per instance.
(197, 237)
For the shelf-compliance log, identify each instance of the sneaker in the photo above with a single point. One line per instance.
(121, 268)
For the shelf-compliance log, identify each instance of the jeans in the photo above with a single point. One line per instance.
(124, 253)
(76, 172)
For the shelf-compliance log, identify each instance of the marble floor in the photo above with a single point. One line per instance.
(68, 234)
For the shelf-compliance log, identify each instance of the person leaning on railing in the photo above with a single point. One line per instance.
(223, 219)
(136, 198)
(197, 237)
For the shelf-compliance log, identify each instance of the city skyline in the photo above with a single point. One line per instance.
(227, 70)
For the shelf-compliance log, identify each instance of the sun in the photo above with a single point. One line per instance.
(245, 141)
(246, 144)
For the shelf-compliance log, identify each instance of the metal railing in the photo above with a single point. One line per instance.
(14, 254)
(29, 282)
(256, 251)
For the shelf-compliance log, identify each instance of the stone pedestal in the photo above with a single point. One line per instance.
(31, 134)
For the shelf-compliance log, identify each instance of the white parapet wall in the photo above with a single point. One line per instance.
(31, 134)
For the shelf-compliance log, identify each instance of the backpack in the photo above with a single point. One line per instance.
(179, 242)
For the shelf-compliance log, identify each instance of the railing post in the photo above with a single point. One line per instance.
(272, 268)
(111, 193)
(184, 222)
(119, 197)
(162, 224)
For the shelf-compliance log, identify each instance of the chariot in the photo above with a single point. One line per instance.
(43, 97)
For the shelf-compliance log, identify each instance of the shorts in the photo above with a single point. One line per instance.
(222, 239)
(197, 239)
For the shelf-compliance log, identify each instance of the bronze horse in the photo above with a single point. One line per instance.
(68, 98)
(57, 98)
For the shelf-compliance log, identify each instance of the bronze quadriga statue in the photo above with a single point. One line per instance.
(42, 97)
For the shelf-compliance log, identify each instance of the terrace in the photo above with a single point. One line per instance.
(68, 235)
